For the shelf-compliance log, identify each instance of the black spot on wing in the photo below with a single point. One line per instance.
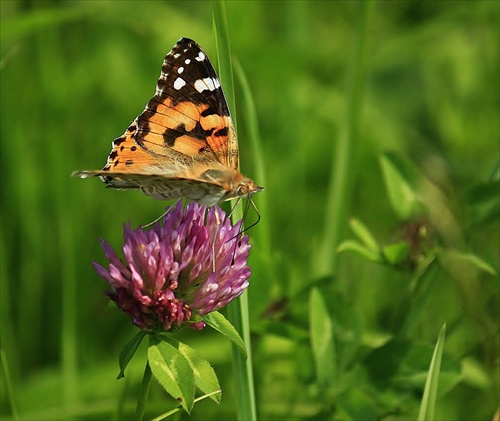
(221, 132)
(171, 135)
(119, 140)
(209, 111)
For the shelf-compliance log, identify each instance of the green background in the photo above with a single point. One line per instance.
(74, 74)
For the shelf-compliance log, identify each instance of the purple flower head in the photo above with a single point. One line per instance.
(174, 273)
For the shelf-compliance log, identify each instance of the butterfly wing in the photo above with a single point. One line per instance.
(185, 130)
(189, 112)
(132, 167)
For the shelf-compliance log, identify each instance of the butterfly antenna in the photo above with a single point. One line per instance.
(251, 203)
(245, 213)
(242, 228)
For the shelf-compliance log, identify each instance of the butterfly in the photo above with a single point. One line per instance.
(184, 144)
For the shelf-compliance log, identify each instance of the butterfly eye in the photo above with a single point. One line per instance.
(242, 190)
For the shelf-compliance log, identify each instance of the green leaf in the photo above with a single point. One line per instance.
(428, 404)
(204, 375)
(218, 322)
(128, 352)
(396, 253)
(357, 404)
(360, 250)
(465, 261)
(364, 234)
(348, 327)
(404, 363)
(484, 202)
(143, 393)
(401, 195)
(173, 371)
(321, 328)
(478, 263)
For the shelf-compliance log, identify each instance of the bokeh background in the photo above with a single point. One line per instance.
(74, 74)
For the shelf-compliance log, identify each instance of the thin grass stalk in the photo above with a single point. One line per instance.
(69, 315)
(56, 68)
(342, 174)
(256, 144)
(7, 382)
(238, 309)
(7, 332)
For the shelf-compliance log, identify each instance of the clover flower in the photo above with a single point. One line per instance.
(176, 272)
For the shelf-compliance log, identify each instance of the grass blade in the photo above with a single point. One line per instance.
(428, 404)
(321, 331)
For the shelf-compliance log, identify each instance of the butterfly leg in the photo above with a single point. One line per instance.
(233, 208)
(162, 215)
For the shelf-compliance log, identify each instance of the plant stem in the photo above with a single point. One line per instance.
(243, 373)
(344, 157)
(238, 309)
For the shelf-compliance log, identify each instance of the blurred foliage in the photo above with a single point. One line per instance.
(424, 171)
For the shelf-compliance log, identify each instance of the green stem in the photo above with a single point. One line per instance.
(8, 385)
(143, 394)
(243, 374)
(238, 309)
(344, 157)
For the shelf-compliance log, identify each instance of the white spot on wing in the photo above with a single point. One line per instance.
(180, 70)
(208, 83)
(200, 57)
(179, 83)
(187, 61)
(176, 55)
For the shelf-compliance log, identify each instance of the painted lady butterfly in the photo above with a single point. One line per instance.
(184, 143)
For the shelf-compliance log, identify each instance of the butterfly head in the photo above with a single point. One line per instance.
(247, 188)
(233, 184)
(244, 187)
